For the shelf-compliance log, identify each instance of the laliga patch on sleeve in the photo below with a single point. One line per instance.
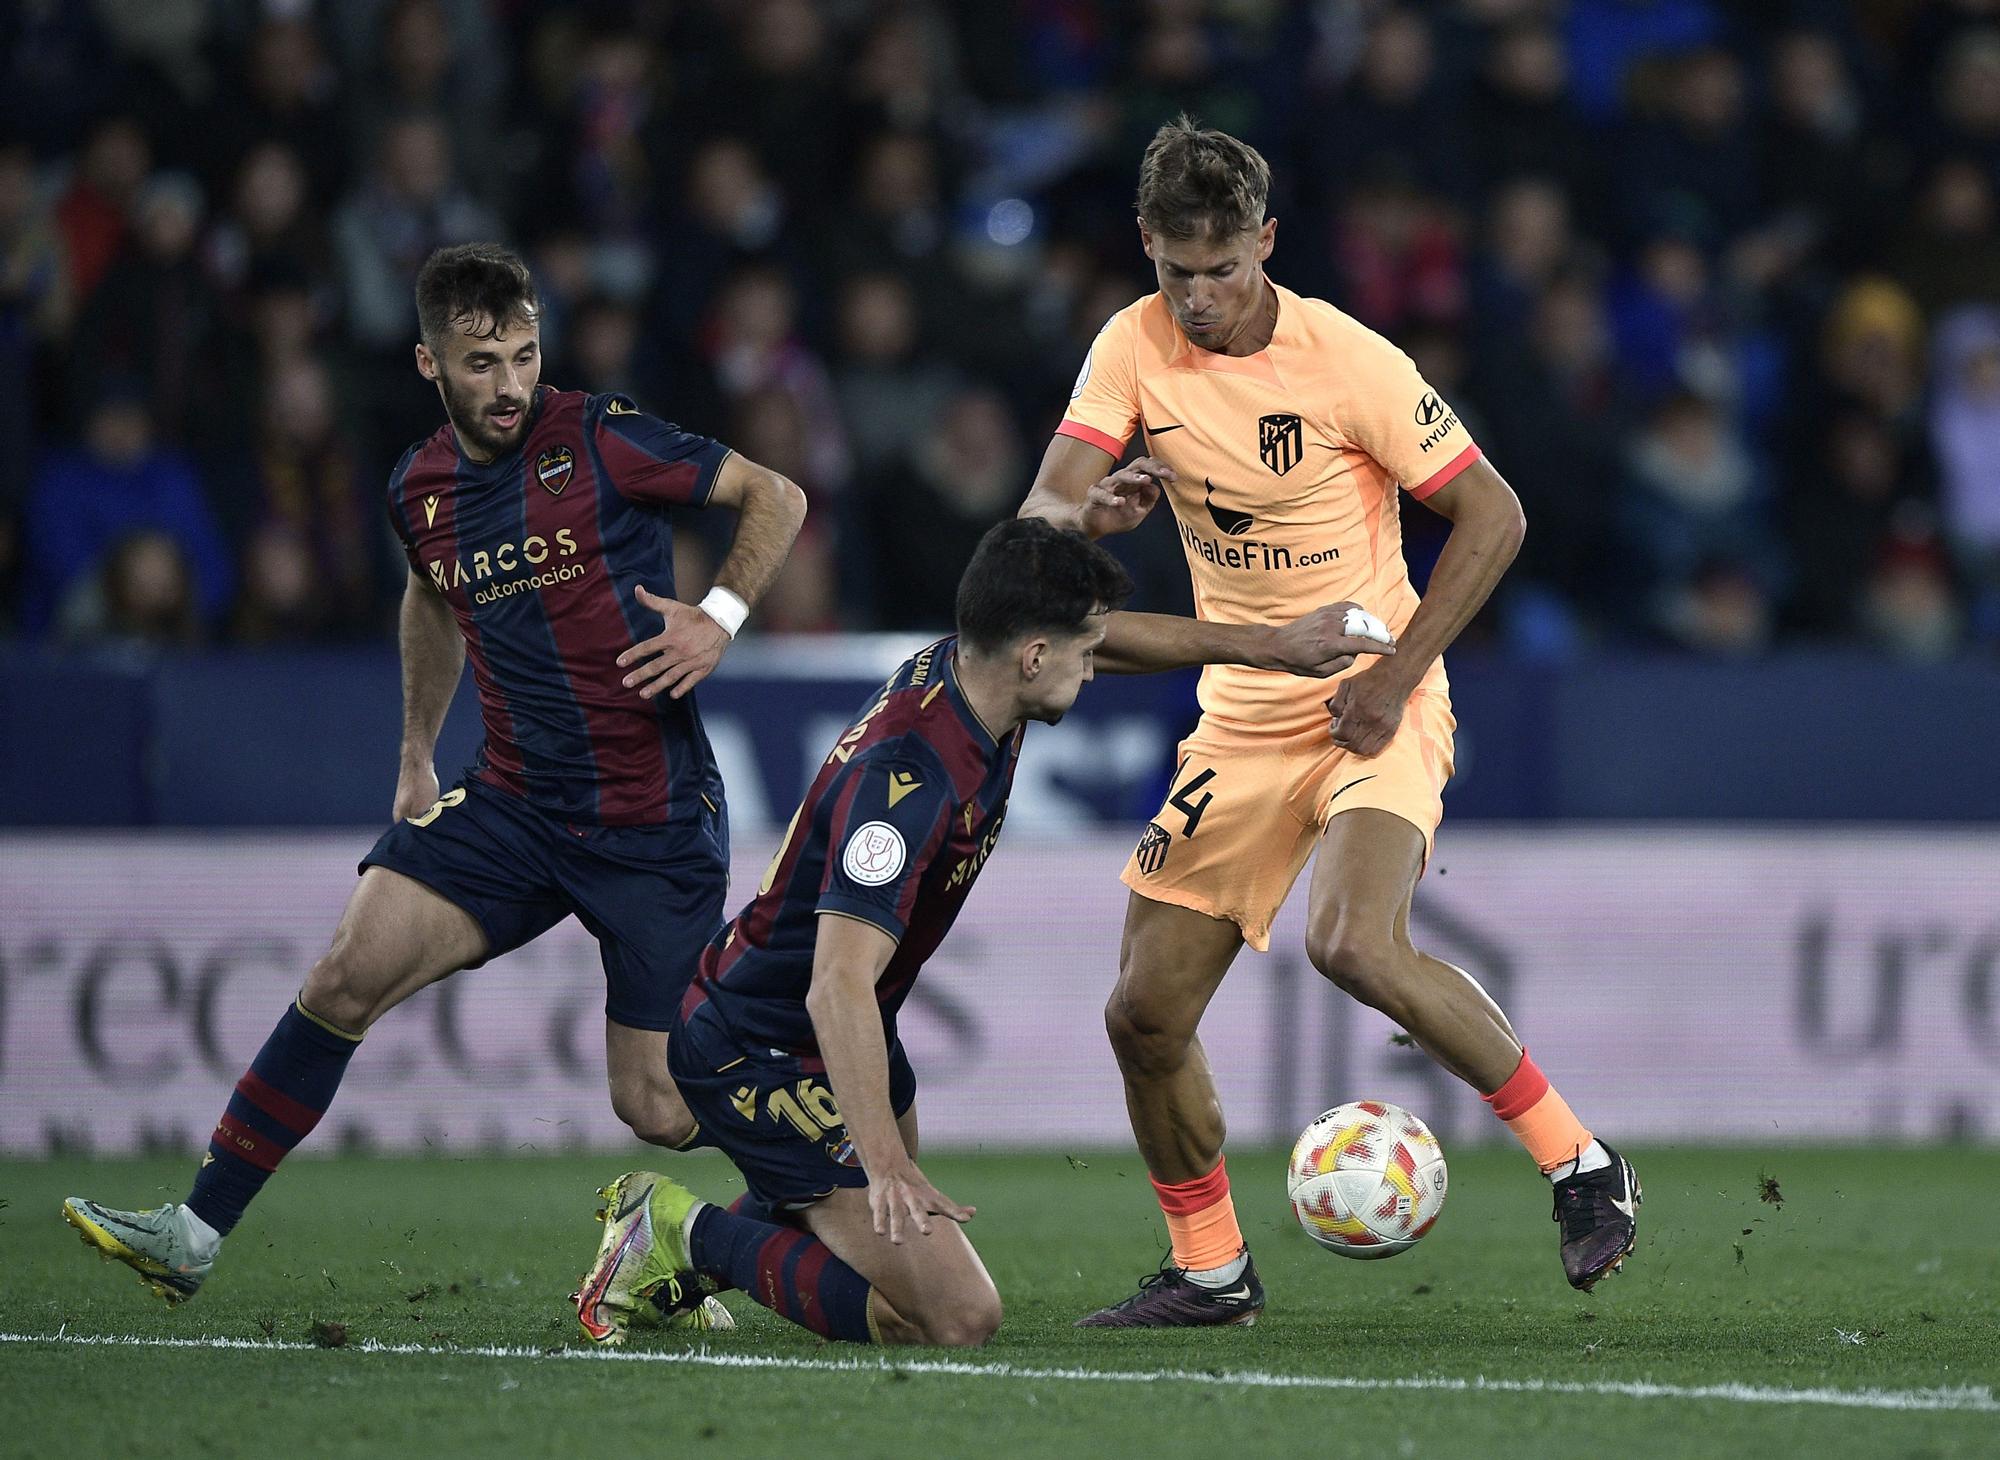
(1082, 376)
(874, 855)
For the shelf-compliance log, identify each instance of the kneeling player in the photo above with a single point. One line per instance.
(786, 1047)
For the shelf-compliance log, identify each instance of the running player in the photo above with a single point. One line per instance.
(536, 526)
(786, 1047)
(1278, 428)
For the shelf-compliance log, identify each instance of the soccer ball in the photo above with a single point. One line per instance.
(1366, 1179)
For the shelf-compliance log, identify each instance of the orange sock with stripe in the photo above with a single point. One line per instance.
(1201, 1219)
(1540, 1119)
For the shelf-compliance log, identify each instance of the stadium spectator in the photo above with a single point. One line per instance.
(898, 221)
(154, 317)
(890, 390)
(753, 346)
(731, 213)
(141, 596)
(603, 349)
(34, 311)
(269, 219)
(1696, 532)
(1909, 610)
(1399, 257)
(284, 598)
(297, 476)
(933, 506)
(1558, 408)
(419, 65)
(1393, 119)
(778, 84)
(94, 213)
(1521, 120)
(410, 204)
(1528, 240)
(1965, 427)
(1949, 250)
(83, 502)
(287, 91)
(1819, 163)
(1694, 165)
(1591, 206)
(1855, 474)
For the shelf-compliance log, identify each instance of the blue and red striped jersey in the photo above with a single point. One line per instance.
(893, 831)
(539, 553)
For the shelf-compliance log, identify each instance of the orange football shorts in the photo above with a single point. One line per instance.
(1248, 803)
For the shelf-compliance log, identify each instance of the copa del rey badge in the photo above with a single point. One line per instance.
(553, 467)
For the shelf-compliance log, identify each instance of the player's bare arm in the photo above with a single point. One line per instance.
(770, 510)
(433, 659)
(1487, 528)
(848, 957)
(1075, 488)
(1316, 645)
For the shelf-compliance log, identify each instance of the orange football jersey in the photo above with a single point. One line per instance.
(1287, 463)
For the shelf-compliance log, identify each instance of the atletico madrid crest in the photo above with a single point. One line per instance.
(552, 468)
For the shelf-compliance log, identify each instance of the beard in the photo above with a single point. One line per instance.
(473, 423)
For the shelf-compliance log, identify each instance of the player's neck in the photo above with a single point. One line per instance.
(1263, 324)
(989, 693)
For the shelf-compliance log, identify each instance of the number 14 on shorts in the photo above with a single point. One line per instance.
(808, 1105)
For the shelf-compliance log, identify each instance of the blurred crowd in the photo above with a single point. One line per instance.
(1716, 284)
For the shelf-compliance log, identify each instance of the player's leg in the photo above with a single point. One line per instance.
(1171, 961)
(1358, 935)
(395, 937)
(438, 892)
(926, 1289)
(643, 1094)
(1208, 875)
(652, 896)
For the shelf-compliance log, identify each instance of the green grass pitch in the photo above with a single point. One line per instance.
(1878, 1277)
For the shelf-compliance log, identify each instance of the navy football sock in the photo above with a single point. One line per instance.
(277, 1103)
(792, 1273)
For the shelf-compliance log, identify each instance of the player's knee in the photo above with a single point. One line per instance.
(1359, 961)
(1146, 1039)
(339, 991)
(970, 1325)
(651, 1115)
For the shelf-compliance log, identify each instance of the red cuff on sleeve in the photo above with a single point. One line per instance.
(1446, 472)
(1092, 435)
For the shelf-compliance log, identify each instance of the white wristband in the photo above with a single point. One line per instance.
(726, 609)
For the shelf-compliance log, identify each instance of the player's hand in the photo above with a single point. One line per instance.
(1318, 645)
(900, 1197)
(680, 656)
(1367, 708)
(1121, 501)
(416, 791)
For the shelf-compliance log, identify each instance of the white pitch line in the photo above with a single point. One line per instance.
(1969, 1399)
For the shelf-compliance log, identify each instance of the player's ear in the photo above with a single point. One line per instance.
(427, 365)
(1145, 238)
(1267, 238)
(1033, 653)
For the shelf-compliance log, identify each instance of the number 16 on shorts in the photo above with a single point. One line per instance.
(806, 1104)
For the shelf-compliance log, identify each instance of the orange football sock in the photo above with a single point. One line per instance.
(1539, 1117)
(1201, 1219)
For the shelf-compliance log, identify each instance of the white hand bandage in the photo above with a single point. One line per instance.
(1361, 624)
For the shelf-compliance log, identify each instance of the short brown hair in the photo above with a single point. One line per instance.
(1196, 183)
(485, 284)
